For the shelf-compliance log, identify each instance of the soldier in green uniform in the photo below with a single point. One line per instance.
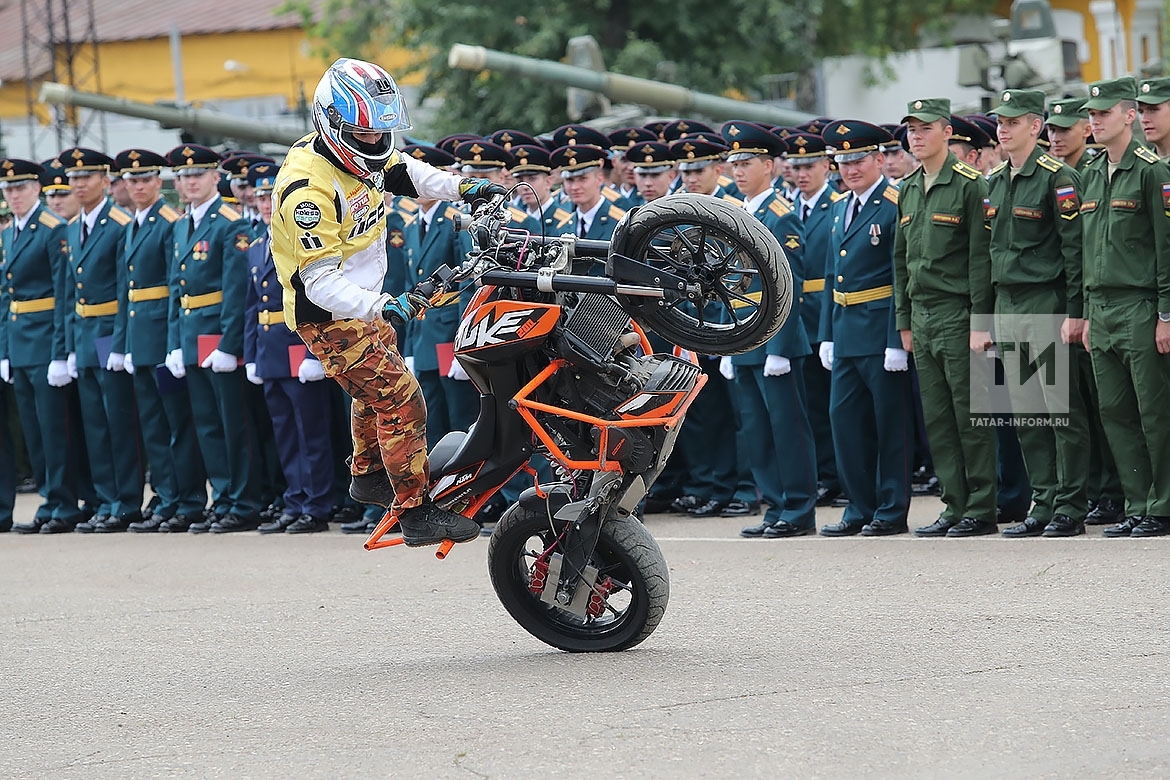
(1154, 110)
(1036, 269)
(1125, 205)
(943, 306)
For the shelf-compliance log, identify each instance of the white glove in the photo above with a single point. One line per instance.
(253, 377)
(777, 366)
(456, 372)
(116, 362)
(58, 374)
(71, 364)
(128, 364)
(826, 355)
(897, 359)
(6, 370)
(310, 370)
(175, 364)
(726, 368)
(409, 363)
(220, 362)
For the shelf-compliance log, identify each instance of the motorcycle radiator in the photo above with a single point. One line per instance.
(596, 324)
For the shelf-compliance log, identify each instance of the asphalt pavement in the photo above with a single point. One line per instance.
(244, 656)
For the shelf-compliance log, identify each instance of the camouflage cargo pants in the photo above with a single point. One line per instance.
(389, 417)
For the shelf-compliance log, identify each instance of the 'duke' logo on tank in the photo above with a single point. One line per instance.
(503, 322)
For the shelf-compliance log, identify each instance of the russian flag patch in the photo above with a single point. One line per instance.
(1066, 199)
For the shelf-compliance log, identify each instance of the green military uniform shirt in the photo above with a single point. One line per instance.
(1035, 227)
(1127, 224)
(941, 251)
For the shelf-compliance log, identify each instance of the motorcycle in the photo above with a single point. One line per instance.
(564, 369)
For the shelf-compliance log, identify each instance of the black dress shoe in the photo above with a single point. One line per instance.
(92, 524)
(710, 508)
(1013, 516)
(1124, 528)
(57, 526)
(1063, 525)
(234, 523)
(929, 486)
(1152, 525)
(5, 525)
(884, 528)
(970, 526)
(784, 530)
(755, 531)
(147, 525)
(204, 523)
(937, 528)
(346, 513)
(118, 524)
(277, 525)
(825, 495)
(362, 526)
(684, 504)
(1031, 526)
(30, 528)
(28, 486)
(842, 529)
(841, 501)
(739, 508)
(307, 524)
(1106, 512)
(179, 523)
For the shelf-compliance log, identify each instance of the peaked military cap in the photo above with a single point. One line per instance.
(132, 163)
(53, 179)
(431, 155)
(782, 132)
(506, 139)
(656, 127)
(650, 157)
(530, 158)
(482, 156)
(1017, 102)
(262, 176)
(672, 131)
(894, 144)
(1067, 112)
(1104, 95)
(968, 132)
(1042, 139)
(192, 159)
(578, 159)
(237, 164)
(571, 135)
(748, 139)
(928, 109)
(987, 125)
(698, 151)
(852, 140)
(815, 127)
(448, 143)
(225, 189)
(80, 161)
(627, 136)
(805, 148)
(1153, 91)
(17, 171)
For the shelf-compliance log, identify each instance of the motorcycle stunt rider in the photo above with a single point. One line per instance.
(329, 244)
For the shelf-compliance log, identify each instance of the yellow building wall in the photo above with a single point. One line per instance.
(271, 62)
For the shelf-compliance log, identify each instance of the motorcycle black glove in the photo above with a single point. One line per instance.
(474, 190)
(405, 307)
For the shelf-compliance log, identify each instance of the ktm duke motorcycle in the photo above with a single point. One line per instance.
(564, 369)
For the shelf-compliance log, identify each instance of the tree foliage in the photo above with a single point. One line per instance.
(721, 48)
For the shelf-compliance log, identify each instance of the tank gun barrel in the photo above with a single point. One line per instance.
(667, 98)
(194, 119)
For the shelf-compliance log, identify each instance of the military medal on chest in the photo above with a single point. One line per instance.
(201, 250)
(875, 234)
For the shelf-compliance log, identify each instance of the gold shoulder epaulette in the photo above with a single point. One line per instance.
(779, 208)
(228, 213)
(616, 213)
(255, 241)
(75, 218)
(119, 216)
(963, 169)
(561, 216)
(836, 196)
(609, 194)
(408, 219)
(1145, 154)
(732, 200)
(517, 214)
(997, 168)
(169, 213)
(48, 220)
(407, 204)
(891, 194)
(725, 180)
(1048, 163)
(452, 212)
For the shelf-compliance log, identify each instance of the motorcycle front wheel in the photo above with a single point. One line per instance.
(633, 584)
(743, 279)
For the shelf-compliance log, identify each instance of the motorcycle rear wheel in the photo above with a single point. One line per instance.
(724, 250)
(626, 553)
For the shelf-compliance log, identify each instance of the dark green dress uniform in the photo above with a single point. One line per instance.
(871, 407)
(95, 274)
(32, 299)
(1127, 289)
(164, 406)
(208, 280)
(1036, 269)
(942, 286)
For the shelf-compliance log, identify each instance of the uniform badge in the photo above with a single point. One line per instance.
(242, 242)
(792, 242)
(875, 234)
(1067, 203)
(1166, 197)
(396, 240)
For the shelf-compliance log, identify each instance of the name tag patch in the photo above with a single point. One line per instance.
(1026, 213)
(1125, 204)
(946, 219)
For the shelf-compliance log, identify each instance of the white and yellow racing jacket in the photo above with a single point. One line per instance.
(329, 231)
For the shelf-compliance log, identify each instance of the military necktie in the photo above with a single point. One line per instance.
(580, 227)
(134, 230)
(422, 229)
(84, 231)
(804, 212)
(855, 210)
